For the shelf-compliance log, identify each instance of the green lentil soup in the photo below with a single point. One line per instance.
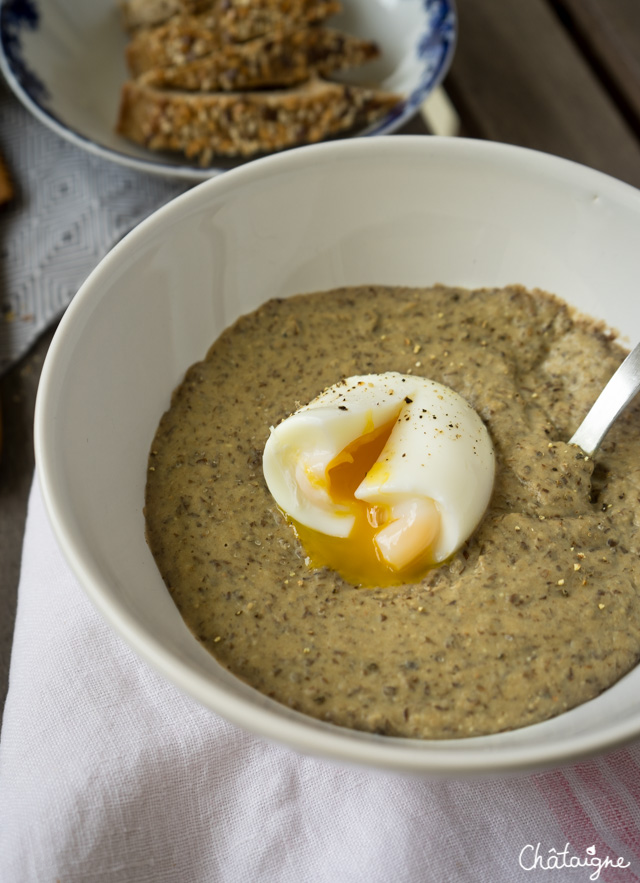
(538, 612)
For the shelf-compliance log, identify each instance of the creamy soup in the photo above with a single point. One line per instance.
(539, 610)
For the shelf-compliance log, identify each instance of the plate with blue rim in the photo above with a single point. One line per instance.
(65, 61)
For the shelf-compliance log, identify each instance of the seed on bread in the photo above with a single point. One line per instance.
(203, 125)
(274, 60)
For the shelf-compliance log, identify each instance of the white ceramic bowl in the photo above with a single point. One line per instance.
(64, 59)
(404, 210)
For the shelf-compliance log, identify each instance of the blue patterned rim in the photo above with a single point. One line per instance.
(16, 16)
(434, 49)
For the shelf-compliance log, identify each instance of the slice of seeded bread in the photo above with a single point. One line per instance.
(187, 37)
(203, 125)
(266, 62)
(143, 13)
(6, 187)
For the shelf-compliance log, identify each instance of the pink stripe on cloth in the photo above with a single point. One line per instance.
(578, 827)
(612, 810)
(627, 771)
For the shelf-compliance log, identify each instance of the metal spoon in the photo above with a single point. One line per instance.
(614, 398)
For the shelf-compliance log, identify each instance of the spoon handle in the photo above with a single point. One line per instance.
(614, 398)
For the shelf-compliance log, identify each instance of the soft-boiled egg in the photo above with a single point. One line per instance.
(382, 476)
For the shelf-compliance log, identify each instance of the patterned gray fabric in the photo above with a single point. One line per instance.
(69, 209)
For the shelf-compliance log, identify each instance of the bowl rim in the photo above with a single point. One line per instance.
(182, 169)
(435, 758)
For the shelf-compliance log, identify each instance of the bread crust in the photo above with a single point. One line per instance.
(186, 38)
(144, 13)
(6, 185)
(203, 125)
(282, 60)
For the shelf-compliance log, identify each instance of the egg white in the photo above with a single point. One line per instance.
(435, 472)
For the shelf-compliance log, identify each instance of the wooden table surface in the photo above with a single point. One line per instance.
(562, 76)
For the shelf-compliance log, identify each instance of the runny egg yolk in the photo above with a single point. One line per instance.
(363, 558)
(382, 476)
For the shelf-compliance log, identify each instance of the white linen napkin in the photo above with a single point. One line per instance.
(109, 774)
